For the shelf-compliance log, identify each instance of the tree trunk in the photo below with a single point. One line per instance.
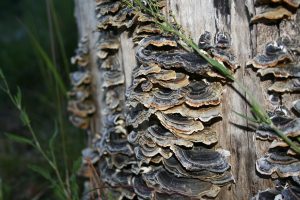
(234, 133)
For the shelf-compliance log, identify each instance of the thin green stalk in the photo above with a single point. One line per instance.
(17, 101)
(51, 35)
(49, 64)
(1, 190)
(59, 38)
(62, 131)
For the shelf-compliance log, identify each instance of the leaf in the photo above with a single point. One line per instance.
(1, 186)
(245, 117)
(43, 172)
(18, 98)
(52, 140)
(76, 165)
(59, 192)
(19, 139)
(24, 117)
(48, 62)
(74, 187)
(73, 180)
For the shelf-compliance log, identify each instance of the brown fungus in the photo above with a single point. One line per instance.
(223, 40)
(278, 164)
(80, 77)
(146, 69)
(174, 166)
(202, 93)
(200, 158)
(157, 41)
(159, 99)
(112, 78)
(205, 41)
(137, 115)
(80, 122)
(296, 106)
(164, 75)
(275, 53)
(165, 182)
(82, 53)
(272, 15)
(112, 99)
(286, 71)
(292, 3)
(164, 138)
(190, 62)
(108, 7)
(290, 85)
(206, 136)
(178, 124)
(204, 114)
(109, 44)
(149, 151)
(81, 109)
(140, 188)
(90, 155)
(180, 81)
(80, 93)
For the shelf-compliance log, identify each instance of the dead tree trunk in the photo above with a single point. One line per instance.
(233, 132)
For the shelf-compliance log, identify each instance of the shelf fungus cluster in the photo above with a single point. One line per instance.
(171, 107)
(156, 139)
(280, 60)
(80, 104)
(275, 10)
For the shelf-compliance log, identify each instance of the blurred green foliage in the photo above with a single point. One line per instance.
(23, 66)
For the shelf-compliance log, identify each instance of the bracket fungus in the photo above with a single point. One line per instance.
(80, 104)
(156, 138)
(276, 10)
(281, 162)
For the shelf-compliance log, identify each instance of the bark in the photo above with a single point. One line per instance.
(234, 133)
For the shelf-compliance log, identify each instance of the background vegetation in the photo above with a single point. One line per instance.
(51, 23)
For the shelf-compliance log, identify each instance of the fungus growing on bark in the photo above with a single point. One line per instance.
(277, 164)
(80, 77)
(81, 109)
(174, 166)
(181, 80)
(201, 158)
(165, 182)
(286, 71)
(178, 124)
(289, 85)
(204, 114)
(292, 3)
(80, 122)
(201, 93)
(272, 15)
(275, 53)
(112, 78)
(296, 106)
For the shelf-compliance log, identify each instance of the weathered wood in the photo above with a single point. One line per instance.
(87, 27)
(197, 16)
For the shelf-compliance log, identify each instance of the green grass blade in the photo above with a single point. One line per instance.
(60, 38)
(245, 117)
(49, 64)
(19, 139)
(41, 171)
(1, 190)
